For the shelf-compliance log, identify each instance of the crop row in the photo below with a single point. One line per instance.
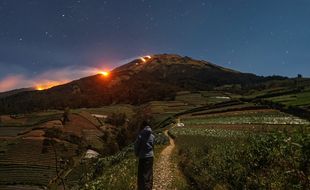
(25, 174)
(249, 119)
(276, 160)
(206, 132)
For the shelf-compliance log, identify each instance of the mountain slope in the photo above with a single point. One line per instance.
(13, 92)
(151, 78)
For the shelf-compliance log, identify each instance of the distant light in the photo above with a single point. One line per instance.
(105, 73)
(142, 59)
(39, 88)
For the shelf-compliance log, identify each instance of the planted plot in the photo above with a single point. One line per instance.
(206, 132)
(276, 118)
(219, 160)
(246, 120)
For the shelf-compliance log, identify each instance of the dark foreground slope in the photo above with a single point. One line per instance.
(156, 78)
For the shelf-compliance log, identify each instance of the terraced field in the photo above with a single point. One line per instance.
(301, 99)
(33, 156)
(28, 120)
(29, 161)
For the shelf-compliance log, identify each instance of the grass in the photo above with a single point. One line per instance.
(119, 176)
(179, 181)
(118, 171)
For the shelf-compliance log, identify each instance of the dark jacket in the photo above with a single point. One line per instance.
(144, 144)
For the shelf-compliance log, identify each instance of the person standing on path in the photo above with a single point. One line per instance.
(144, 146)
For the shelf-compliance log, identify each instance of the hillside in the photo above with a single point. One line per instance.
(151, 78)
(13, 92)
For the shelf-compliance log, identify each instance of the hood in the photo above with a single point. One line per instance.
(147, 130)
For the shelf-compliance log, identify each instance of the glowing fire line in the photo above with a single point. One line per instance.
(49, 85)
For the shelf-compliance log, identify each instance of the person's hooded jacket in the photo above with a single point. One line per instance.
(145, 143)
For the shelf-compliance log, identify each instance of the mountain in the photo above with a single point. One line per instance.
(156, 77)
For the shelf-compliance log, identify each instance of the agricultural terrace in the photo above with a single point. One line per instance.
(21, 160)
(241, 116)
(301, 99)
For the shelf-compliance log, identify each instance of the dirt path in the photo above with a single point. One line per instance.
(163, 174)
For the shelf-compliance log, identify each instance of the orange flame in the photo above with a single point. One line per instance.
(105, 73)
(39, 88)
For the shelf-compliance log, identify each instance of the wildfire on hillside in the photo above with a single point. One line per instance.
(48, 85)
(104, 73)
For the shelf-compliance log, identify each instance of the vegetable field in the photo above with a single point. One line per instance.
(214, 152)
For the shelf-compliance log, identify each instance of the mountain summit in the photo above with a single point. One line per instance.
(157, 77)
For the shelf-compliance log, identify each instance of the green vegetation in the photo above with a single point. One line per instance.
(114, 172)
(298, 99)
(278, 160)
(179, 181)
(118, 171)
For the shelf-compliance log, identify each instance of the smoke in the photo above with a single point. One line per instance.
(53, 77)
(46, 79)
(10, 82)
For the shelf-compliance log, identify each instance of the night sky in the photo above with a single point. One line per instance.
(60, 40)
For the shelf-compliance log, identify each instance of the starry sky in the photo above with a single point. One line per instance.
(61, 40)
